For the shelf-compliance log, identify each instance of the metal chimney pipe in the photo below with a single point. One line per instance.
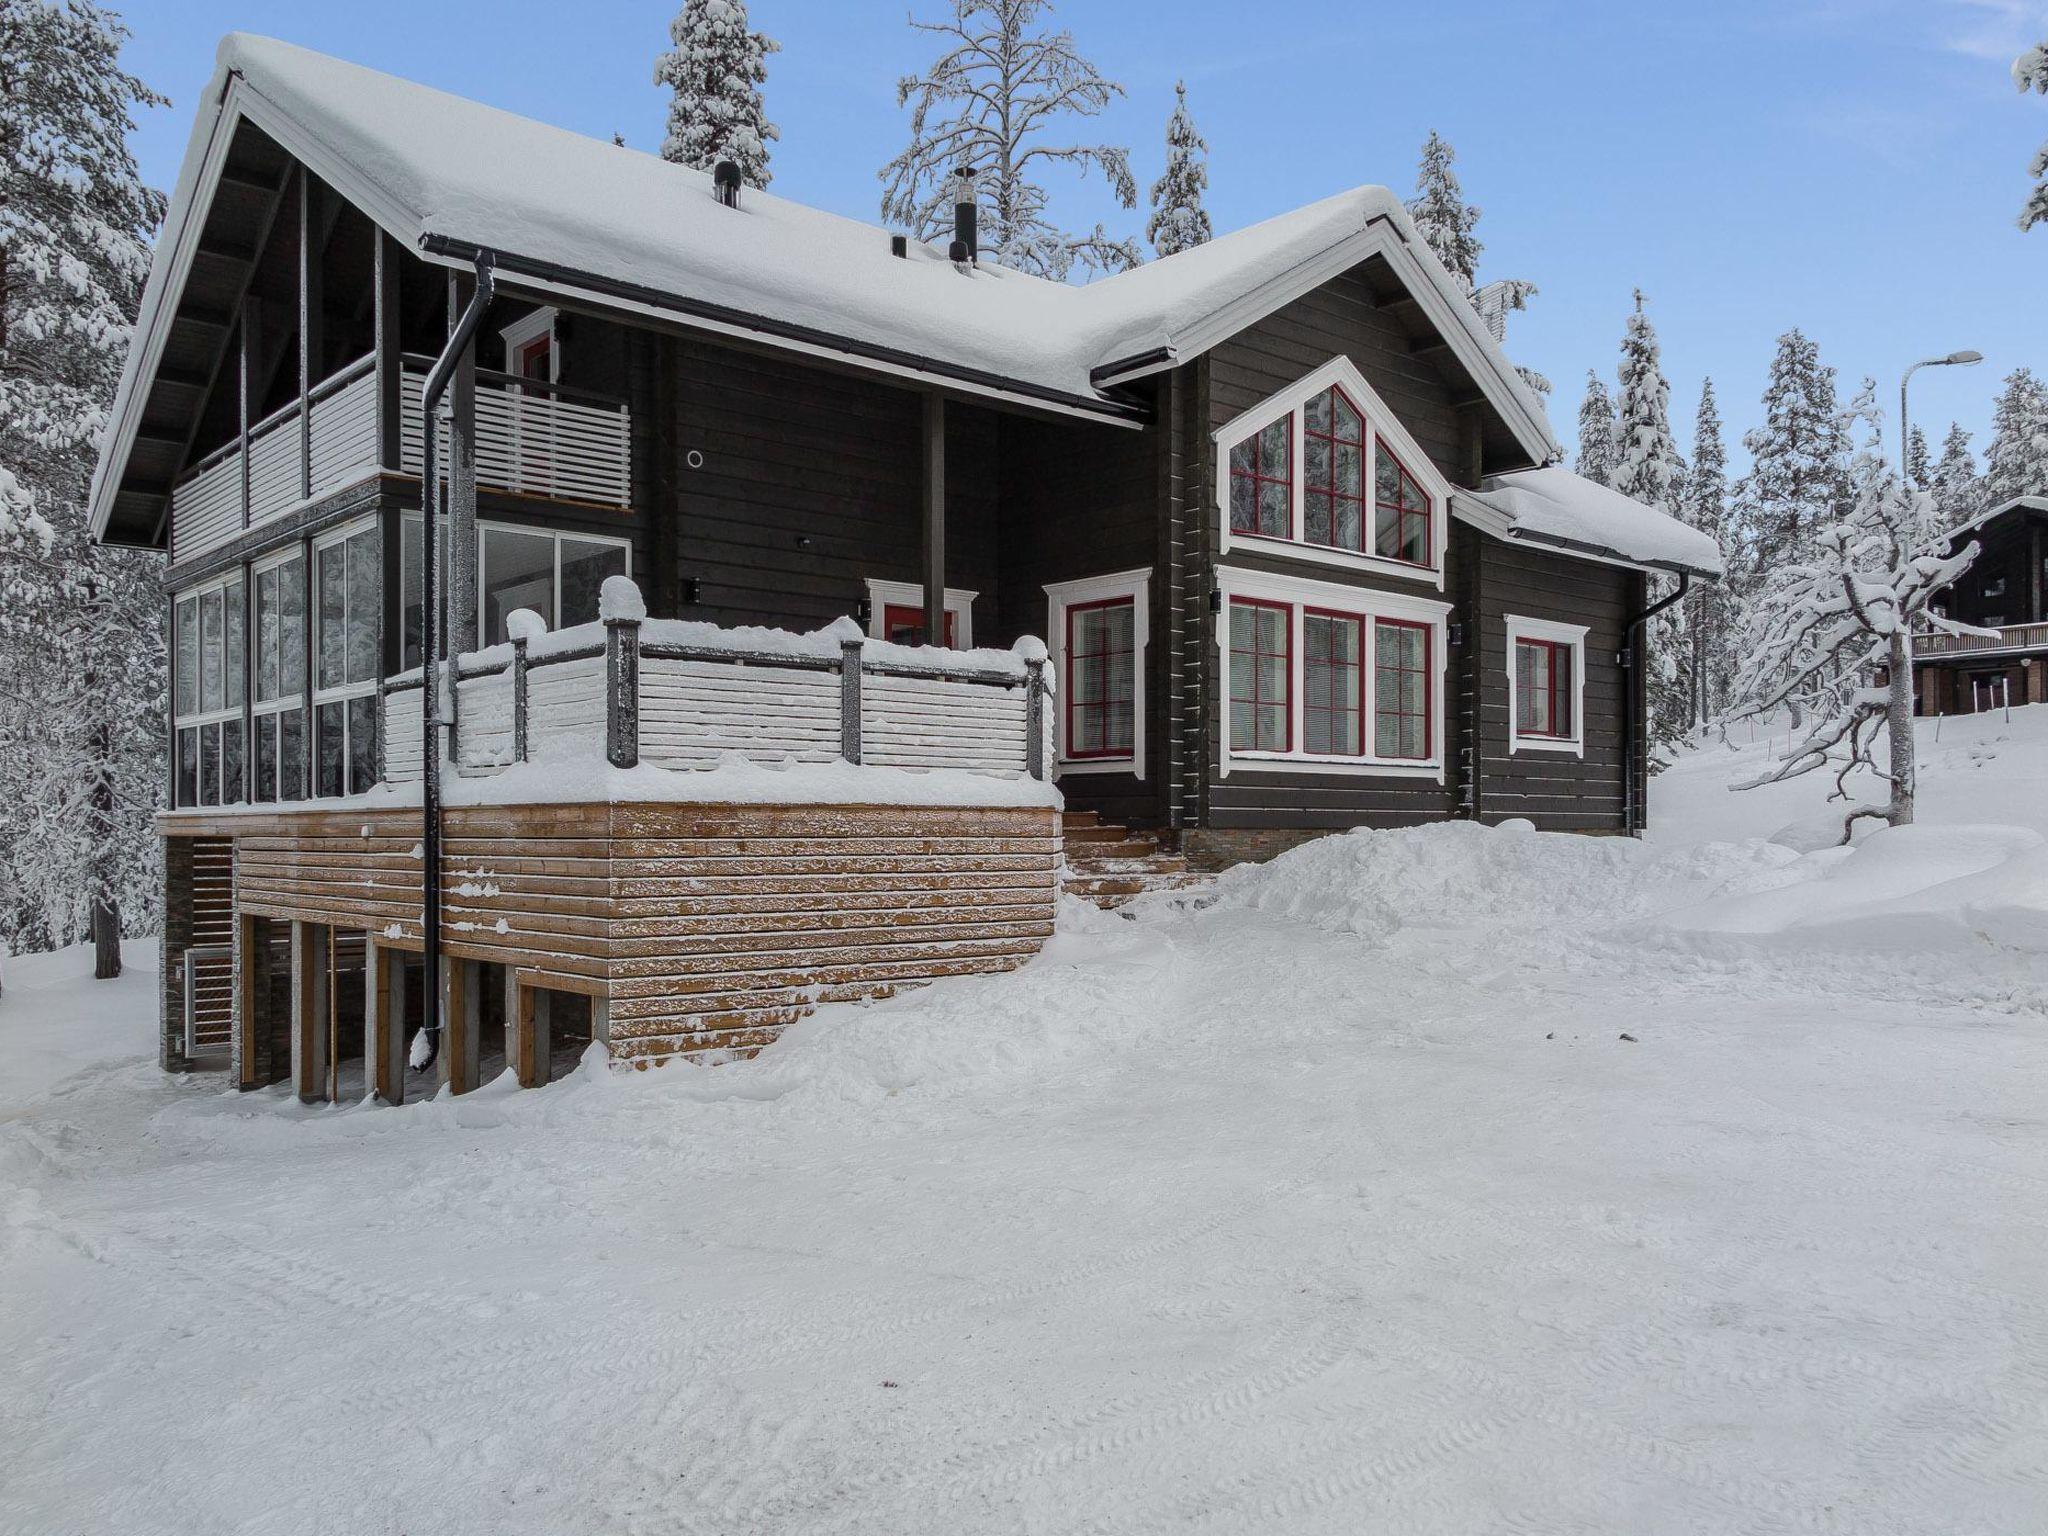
(966, 215)
(725, 181)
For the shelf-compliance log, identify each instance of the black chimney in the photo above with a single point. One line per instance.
(725, 181)
(966, 247)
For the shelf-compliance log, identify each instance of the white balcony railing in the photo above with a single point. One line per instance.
(533, 439)
(2013, 637)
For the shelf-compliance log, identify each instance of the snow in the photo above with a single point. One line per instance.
(1554, 504)
(1431, 1181)
(619, 602)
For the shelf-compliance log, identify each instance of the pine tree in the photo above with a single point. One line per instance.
(1919, 462)
(2030, 73)
(1845, 609)
(2016, 462)
(989, 103)
(1797, 479)
(82, 773)
(1648, 469)
(1598, 432)
(1954, 481)
(1446, 222)
(1179, 221)
(716, 70)
(1705, 506)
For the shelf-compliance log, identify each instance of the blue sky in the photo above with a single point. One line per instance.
(1849, 166)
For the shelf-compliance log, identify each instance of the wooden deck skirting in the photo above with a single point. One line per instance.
(705, 928)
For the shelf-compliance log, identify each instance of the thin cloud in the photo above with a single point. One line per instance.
(1996, 29)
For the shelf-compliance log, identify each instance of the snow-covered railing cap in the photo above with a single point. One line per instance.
(523, 624)
(619, 602)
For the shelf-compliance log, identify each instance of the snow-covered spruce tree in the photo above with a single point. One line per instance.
(2016, 461)
(1954, 481)
(1797, 479)
(716, 70)
(1648, 469)
(1598, 433)
(1179, 221)
(2030, 73)
(1830, 620)
(75, 222)
(1919, 461)
(992, 102)
(1704, 504)
(1446, 222)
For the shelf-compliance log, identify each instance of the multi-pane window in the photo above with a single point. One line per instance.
(1333, 471)
(279, 706)
(1262, 482)
(348, 587)
(212, 680)
(1400, 689)
(1101, 679)
(1332, 682)
(1543, 688)
(1261, 676)
(1400, 510)
(558, 575)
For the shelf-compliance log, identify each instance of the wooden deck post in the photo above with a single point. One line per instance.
(312, 306)
(519, 698)
(252, 1001)
(1034, 718)
(934, 519)
(532, 1019)
(622, 692)
(458, 1024)
(309, 1011)
(384, 1020)
(390, 356)
(850, 652)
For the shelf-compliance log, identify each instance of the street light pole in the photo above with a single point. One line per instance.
(1955, 359)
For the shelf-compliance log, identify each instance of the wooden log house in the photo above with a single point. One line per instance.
(2005, 590)
(1292, 527)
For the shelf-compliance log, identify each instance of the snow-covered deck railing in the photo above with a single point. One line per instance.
(685, 696)
(2012, 637)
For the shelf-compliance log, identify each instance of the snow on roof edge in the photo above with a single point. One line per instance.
(1554, 507)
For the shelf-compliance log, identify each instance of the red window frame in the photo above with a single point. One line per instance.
(1308, 706)
(1075, 670)
(1379, 703)
(1329, 487)
(1250, 672)
(542, 348)
(1260, 475)
(1557, 689)
(904, 616)
(1405, 515)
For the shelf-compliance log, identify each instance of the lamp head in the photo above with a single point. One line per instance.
(1965, 357)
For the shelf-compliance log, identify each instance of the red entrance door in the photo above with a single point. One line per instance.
(904, 625)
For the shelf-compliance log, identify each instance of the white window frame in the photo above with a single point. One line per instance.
(264, 712)
(341, 693)
(412, 520)
(1380, 424)
(529, 328)
(199, 719)
(1368, 603)
(884, 595)
(1573, 637)
(1062, 595)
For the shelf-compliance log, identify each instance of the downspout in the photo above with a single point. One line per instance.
(1630, 791)
(430, 670)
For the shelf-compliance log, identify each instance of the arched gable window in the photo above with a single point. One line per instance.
(1324, 468)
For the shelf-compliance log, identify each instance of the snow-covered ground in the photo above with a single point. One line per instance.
(1438, 1181)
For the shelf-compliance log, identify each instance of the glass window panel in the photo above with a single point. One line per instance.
(236, 666)
(1273, 509)
(1316, 522)
(519, 572)
(333, 600)
(267, 638)
(291, 754)
(362, 743)
(1244, 500)
(331, 746)
(1401, 690)
(586, 564)
(1101, 681)
(1331, 678)
(410, 580)
(211, 648)
(188, 767)
(1273, 449)
(266, 753)
(188, 656)
(1258, 677)
(233, 786)
(209, 765)
(291, 630)
(365, 584)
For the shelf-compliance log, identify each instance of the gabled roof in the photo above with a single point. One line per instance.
(1576, 516)
(2018, 503)
(583, 218)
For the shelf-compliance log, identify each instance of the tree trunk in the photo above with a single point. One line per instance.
(1899, 726)
(106, 940)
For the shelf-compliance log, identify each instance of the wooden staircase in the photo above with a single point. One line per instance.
(1108, 864)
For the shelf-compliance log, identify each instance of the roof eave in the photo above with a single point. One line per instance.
(1500, 526)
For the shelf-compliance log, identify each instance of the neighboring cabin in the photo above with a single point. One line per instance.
(1290, 525)
(2005, 589)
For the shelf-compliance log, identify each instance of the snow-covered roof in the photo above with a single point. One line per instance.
(2030, 503)
(1556, 507)
(582, 216)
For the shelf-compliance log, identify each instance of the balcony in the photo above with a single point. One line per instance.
(2010, 640)
(532, 439)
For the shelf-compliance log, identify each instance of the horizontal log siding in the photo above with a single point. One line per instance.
(809, 484)
(1555, 790)
(1261, 360)
(709, 927)
(1081, 499)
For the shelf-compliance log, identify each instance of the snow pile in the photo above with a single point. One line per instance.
(1556, 505)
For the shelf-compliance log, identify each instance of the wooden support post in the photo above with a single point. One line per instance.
(461, 504)
(934, 519)
(458, 1024)
(601, 1021)
(532, 1019)
(312, 303)
(850, 652)
(384, 1020)
(622, 692)
(309, 1011)
(245, 386)
(252, 1000)
(1034, 717)
(519, 698)
(390, 354)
